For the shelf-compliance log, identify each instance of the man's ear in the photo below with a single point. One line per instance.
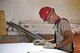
(53, 10)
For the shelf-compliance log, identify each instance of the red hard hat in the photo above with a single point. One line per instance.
(44, 12)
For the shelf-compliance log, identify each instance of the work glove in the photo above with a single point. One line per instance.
(49, 45)
(38, 42)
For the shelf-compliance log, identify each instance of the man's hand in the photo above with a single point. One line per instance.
(38, 42)
(45, 43)
(49, 45)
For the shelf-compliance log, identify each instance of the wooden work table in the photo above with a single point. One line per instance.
(76, 42)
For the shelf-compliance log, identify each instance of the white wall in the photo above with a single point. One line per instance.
(69, 9)
(27, 10)
(22, 9)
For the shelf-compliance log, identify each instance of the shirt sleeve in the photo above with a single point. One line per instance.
(64, 25)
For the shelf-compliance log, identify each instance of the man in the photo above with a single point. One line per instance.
(63, 34)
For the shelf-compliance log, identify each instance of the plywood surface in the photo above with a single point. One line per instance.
(2, 23)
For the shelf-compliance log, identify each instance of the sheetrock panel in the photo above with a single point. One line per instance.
(26, 48)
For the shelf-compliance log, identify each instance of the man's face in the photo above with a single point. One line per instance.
(51, 18)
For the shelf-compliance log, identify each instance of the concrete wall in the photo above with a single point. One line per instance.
(27, 10)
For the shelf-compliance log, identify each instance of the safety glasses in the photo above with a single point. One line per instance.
(49, 16)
